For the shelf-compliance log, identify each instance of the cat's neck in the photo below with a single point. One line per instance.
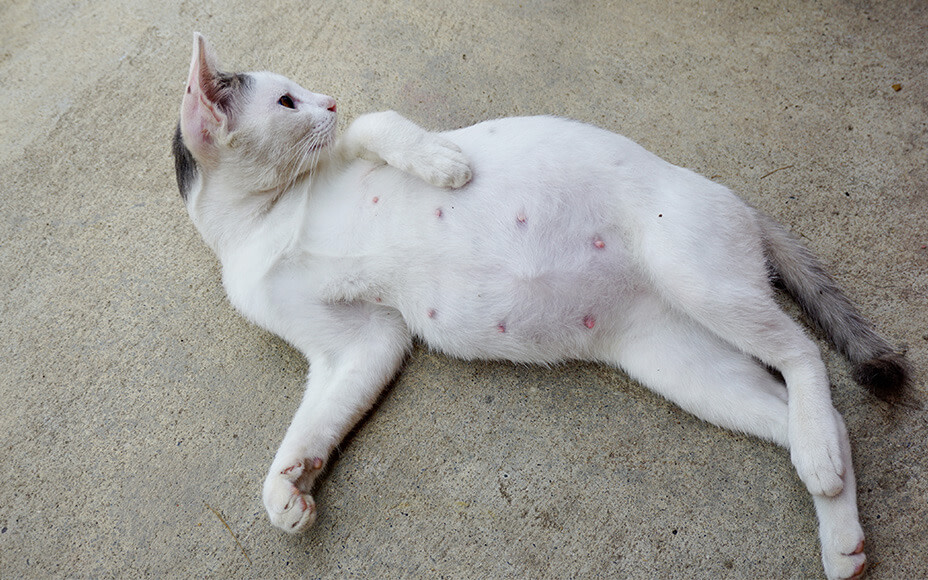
(228, 218)
(228, 215)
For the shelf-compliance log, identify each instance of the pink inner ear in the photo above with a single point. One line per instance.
(210, 109)
(200, 117)
(198, 122)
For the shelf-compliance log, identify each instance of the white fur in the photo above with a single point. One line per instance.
(565, 242)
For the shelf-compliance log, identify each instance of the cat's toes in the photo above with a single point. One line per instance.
(448, 172)
(819, 463)
(287, 506)
(842, 546)
(845, 566)
(444, 165)
(820, 477)
(291, 511)
(459, 175)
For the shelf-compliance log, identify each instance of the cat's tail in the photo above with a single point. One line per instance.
(877, 365)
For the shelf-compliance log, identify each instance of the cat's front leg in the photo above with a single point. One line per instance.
(286, 494)
(390, 138)
(345, 378)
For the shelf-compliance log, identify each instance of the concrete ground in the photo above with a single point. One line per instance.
(139, 412)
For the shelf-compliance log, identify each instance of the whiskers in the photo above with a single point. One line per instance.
(306, 153)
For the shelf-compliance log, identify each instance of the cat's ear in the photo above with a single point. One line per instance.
(202, 120)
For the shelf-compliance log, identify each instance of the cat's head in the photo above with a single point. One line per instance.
(258, 132)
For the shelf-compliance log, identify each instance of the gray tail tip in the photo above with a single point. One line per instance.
(885, 375)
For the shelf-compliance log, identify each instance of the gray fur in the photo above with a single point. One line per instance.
(229, 88)
(876, 364)
(226, 90)
(185, 166)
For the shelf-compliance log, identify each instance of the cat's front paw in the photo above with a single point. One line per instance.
(288, 507)
(439, 162)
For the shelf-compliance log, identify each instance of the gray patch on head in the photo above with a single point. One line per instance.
(228, 90)
(230, 87)
(185, 166)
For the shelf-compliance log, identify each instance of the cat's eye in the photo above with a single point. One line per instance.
(286, 101)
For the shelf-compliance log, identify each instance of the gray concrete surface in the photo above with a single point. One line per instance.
(139, 412)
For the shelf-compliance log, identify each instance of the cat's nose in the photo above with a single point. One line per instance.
(328, 103)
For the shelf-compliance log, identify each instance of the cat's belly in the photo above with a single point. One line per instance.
(530, 261)
(489, 311)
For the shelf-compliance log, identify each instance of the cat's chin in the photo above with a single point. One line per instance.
(326, 141)
(325, 130)
(313, 154)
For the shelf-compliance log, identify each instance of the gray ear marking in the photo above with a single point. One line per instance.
(229, 90)
(185, 166)
(220, 88)
(210, 105)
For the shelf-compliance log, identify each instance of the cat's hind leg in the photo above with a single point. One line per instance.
(713, 270)
(680, 359)
(367, 347)
(839, 530)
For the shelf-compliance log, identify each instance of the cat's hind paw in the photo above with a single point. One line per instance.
(842, 537)
(287, 506)
(841, 566)
(816, 454)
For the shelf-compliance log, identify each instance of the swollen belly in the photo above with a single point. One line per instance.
(542, 318)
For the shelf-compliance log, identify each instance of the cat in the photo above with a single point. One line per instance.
(534, 240)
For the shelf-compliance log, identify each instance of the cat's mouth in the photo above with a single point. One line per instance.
(324, 132)
(309, 149)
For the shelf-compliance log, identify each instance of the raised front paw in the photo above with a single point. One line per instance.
(439, 162)
(287, 506)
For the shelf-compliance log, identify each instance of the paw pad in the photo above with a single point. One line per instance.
(298, 466)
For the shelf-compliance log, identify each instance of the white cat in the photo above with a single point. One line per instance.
(529, 239)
